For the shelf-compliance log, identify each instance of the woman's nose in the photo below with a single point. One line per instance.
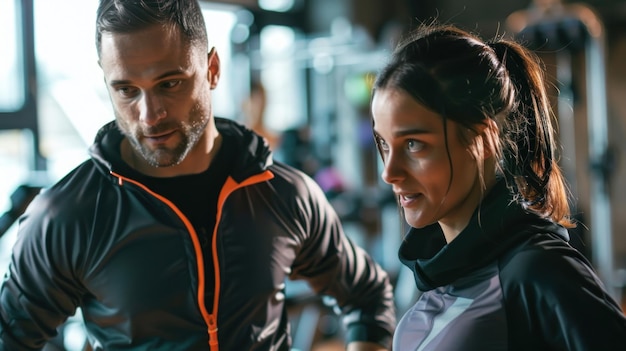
(392, 169)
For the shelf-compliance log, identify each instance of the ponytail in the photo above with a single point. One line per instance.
(528, 155)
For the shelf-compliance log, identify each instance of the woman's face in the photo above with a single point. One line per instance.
(433, 174)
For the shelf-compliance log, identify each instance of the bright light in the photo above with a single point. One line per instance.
(220, 23)
(277, 40)
(276, 5)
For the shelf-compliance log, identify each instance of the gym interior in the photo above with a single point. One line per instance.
(314, 61)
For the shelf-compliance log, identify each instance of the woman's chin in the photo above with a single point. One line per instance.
(416, 220)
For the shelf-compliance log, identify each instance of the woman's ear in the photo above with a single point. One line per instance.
(483, 145)
(490, 134)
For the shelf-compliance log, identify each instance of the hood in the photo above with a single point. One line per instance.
(255, 155)
(498, 225)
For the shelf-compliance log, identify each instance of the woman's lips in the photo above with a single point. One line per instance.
(406, 200)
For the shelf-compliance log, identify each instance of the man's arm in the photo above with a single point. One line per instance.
(334, 266)
(33, 300)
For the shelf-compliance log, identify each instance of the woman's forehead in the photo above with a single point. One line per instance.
(394, 111)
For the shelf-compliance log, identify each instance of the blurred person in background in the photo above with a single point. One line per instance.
(253, 108)
(180, 231)
(464, 128)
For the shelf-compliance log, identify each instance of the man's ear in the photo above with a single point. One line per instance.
(213, 74)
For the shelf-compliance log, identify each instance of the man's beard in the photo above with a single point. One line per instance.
(190, 133)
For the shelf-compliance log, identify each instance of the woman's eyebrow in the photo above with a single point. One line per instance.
(412, 131)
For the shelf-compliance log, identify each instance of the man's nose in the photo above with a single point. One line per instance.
(151, 109)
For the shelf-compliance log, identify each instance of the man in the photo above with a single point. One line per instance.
(179, 232)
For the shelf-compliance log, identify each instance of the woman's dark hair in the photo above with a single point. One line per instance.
(127, 16)
(467, 80)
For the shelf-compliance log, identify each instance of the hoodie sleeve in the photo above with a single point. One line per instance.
(38, 293)
(334, 266)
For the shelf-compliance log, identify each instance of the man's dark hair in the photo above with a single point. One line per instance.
(127, 16)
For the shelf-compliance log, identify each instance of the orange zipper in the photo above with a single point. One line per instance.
(229, 186)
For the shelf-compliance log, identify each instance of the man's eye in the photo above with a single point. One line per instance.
(170, 84)
(414, 145)
(126, 91)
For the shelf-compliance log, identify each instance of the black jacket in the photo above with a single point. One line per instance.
(134, 264)
(509, 281)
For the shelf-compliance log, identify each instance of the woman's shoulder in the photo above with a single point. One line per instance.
(546, 264)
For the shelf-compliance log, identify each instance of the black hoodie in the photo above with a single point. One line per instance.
(133, 262)
(508, 281)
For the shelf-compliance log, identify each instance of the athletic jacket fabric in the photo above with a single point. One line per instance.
(134, 264)
(509, 281)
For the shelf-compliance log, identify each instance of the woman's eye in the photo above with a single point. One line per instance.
(383, 145)
(414, 145)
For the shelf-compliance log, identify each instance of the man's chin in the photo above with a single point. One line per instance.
(164, 164)
(162, 161)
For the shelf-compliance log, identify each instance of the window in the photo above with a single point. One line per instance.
(283, 76)
(11, 61)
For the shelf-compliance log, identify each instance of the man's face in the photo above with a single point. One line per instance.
(160, 87)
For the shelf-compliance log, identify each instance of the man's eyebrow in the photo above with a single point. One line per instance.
(164, 75)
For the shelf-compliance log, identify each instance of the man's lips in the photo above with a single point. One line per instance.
(159, 138)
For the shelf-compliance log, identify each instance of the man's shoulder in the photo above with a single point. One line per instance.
(285, 170)
(288, 179)
(72, 191)
(295, 176)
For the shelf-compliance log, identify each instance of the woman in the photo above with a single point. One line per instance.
(464, 128)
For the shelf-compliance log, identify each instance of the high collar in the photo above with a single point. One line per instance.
(254, 158)
(497, 225)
